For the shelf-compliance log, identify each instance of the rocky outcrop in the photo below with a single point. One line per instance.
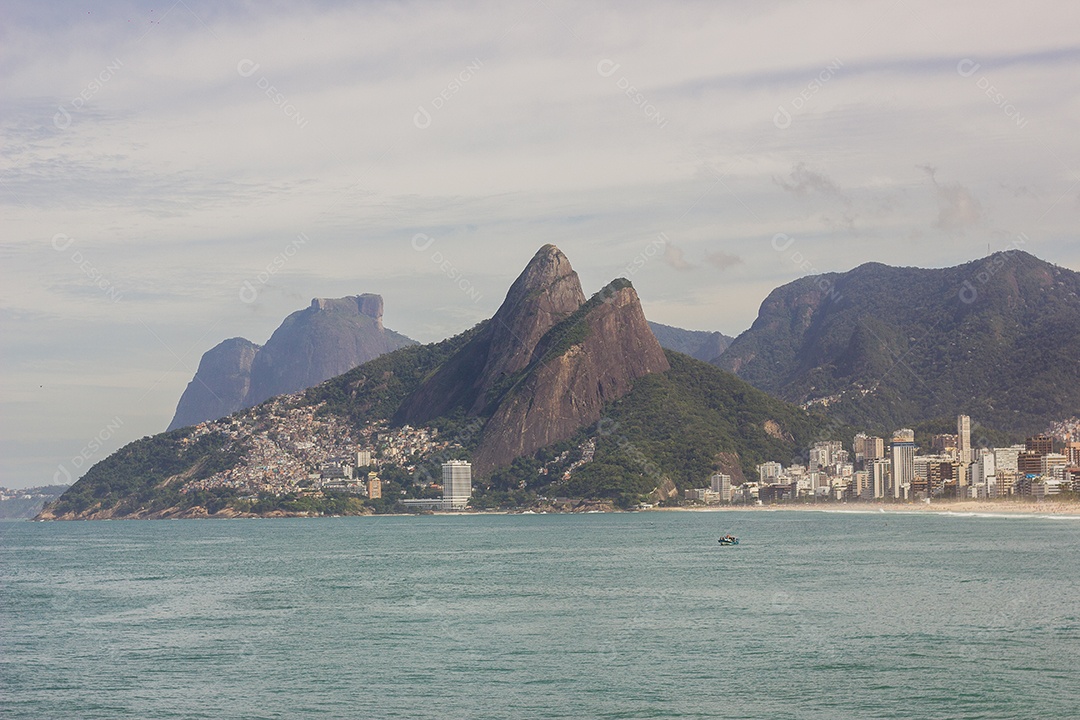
(544, 365)
(220, 385)
(578, 367)
(547, 292)
(330, 337)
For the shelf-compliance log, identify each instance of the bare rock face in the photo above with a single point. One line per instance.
(544, 365)
(577, 367)
(547, 292)
(220, 385)
(328, 338)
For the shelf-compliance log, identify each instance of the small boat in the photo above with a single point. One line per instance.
(728, 540)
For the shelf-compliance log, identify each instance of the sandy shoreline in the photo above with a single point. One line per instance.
(975, 507)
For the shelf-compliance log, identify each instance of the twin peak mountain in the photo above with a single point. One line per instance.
(544, 365)
(536, 372)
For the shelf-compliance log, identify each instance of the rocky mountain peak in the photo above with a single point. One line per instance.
(545, 293)
(368, 304)
(327, 338)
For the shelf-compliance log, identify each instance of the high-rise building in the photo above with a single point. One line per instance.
(879, 477)
(769, 472)
(1072, 453)
(721, 483)
(984, 471)
(867, 448)
(374, 486)
(1042, 444)
(363, 458)
(944, 443)
(1030, 462)
(1005, 457)
(963, 439)
(457, 484)
(827, 453)
(902, 458)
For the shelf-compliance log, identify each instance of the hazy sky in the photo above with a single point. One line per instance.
(178, 173)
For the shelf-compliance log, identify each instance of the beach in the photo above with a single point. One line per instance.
(972, 507)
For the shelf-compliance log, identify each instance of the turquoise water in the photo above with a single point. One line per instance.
(814, 615)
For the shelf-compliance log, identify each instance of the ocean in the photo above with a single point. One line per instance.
(638, 615)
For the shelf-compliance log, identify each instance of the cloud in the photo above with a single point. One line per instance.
(673, 256)
(958, 208)
(804, 181)
(722, 260)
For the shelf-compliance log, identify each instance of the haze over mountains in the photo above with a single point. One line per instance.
(522, 395)
(883, 347)
(329, 337)
(699, 344)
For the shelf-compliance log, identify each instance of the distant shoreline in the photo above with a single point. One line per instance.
(975, 507)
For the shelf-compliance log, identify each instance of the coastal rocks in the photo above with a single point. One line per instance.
(665, 490)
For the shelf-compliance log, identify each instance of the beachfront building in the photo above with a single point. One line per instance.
(721, 484)
(902, 458)
(769, 472)
(963, 436)
(457, 484)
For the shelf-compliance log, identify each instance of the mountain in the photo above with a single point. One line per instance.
(545, 364)
(553, 396)
(329, 337)
(699, 344)
(590, 359)
(884, 347)
(546, 292)
(221, 384)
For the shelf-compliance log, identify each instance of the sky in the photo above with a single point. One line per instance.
(176, 173)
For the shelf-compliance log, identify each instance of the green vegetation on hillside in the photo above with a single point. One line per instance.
(375, 389)
(997, 339)
(676, 425)
(133, 478)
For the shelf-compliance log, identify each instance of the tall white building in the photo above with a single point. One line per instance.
(963, 434)
(879, 477)
(902, 458)
(1005, 458)
(721, 483)
(457, 484)
(770, 471)
(363, 458)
